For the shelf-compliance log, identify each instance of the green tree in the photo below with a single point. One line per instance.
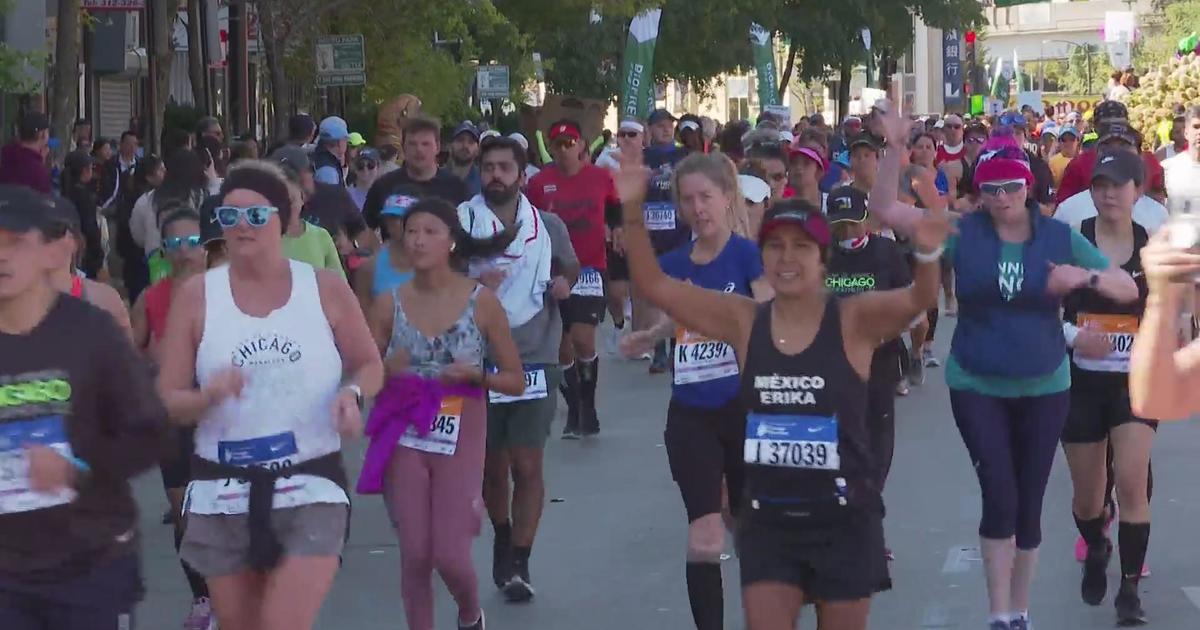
(16, 67)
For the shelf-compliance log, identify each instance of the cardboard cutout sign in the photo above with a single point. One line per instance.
(393, 116)
(588, 112)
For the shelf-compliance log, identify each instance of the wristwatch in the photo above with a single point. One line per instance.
(358, 395)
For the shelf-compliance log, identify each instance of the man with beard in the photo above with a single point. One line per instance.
(464, 149)
(536, 271)
(419, 177)
(583, 196)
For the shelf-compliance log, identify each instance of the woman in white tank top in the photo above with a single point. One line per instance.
(282, 358)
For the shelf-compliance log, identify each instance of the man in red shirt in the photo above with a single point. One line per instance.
(1078, 176)
(951, 148)
(584, 197)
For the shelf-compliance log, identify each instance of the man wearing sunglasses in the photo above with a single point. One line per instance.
(1077, 177)
(951, 149)
(962, 170)
(1068, 148)
(464, 151)
(584, 197)
(365, 172)
(1147, 212)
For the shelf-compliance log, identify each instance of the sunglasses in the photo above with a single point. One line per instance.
(628, 134)
(366, 165)
(256, 216)
(975, 140)
(1008, 188)
(172, 244)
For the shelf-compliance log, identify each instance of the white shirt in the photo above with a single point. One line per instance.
(1147, 212)
(1182, 175)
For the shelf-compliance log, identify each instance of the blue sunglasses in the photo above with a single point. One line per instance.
(256, 216)
(172, 244)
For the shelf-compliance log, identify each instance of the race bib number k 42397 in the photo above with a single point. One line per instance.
(792, 441)
(442, 438)
(535, 387)
(699, 359)
(589, 284)
(15, 492)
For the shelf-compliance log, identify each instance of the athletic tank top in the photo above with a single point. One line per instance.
(386, 276)
(158, 304)
(1119, 322)
(428, 355)
(283, 415)
(806, 445)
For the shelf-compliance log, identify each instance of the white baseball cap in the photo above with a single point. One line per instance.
(521, 139)
(753, 189)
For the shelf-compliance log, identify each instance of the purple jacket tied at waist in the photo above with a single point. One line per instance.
(405, 400)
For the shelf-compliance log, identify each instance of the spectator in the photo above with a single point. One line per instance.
(366, 170)
(174, 140)
(77, 187)
(242, 150)
(209, 127)
(23, 162)
(115, 174)
(81, 135)
(134, 269)
(301, 129)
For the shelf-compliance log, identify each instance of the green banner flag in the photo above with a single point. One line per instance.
(763, 45)
(637, 84)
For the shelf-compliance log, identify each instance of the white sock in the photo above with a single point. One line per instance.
(1000, 617)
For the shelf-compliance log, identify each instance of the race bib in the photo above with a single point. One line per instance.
(15, 493)
(535, 387)
(792, 441)
(589, 284)
(442, 438)
(699, 359)
(273, 452)
(1119, 330)
(659, 215)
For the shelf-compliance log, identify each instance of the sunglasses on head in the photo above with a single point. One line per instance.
(256, 216)
(995, 188)
(172, 244)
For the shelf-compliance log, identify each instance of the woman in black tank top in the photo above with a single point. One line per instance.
(811, 521)
(1101, 424)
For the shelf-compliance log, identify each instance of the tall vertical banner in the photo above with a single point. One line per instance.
(763, 45)
(637, 85)
(952, 75)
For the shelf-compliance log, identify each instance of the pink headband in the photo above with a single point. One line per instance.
(1002, 169)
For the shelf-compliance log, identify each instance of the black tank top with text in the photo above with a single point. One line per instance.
(807, 448)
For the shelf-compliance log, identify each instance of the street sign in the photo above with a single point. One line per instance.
(492, 82)
(341, 60)
(113, 5)
(952, 74)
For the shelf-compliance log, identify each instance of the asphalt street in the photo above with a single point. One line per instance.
(610, 553)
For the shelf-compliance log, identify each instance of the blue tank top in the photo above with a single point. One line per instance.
(386, 276)
(706, 371)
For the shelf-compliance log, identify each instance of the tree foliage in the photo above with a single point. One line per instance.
(17, 68)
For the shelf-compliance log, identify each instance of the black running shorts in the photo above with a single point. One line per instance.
(582, 309)
(1095, 411)
(618, 267)
(704, 447)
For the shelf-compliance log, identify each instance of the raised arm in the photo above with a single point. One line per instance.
(724, 316)
(1161, 374)
(883, 204)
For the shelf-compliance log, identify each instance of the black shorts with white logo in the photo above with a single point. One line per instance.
(582, 309)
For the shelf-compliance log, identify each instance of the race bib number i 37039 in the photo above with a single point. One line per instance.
(699, 359)
(792, 441)
(535, 387)
(16, 495)
(589, 284)
(273, 452)
(1119, 330)
(442, 438)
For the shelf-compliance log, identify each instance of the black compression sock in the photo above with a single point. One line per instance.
(1133, 539)
(570, 384)
(706, 595)
(503, 530)
(589, 374)
(522, 553)
(1092, 531)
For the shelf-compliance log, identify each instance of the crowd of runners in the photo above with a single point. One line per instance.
(790, 279)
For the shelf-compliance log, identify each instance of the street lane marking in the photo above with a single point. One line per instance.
(960, 559)
(1193, 594)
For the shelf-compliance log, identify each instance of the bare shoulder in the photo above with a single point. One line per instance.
(335, 294)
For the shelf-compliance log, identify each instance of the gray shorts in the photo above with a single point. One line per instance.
(524, 423)
(216, 545)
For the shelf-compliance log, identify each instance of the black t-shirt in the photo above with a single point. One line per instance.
(75, 381)
(1043, 178)
(877, 266)
(444, 185)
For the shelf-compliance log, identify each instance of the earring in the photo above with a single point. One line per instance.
(453, 246)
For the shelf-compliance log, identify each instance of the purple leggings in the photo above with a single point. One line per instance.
(435, 504)
(1012, 443)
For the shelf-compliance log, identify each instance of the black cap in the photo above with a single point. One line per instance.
(975, 128)
(1117, 130)
(31, 124)
(210, 230)
(1119, 167)
(466, 126)
(23, 209)
(659, 115)
(1110, 111)
(292, 159)
(864, 140)
(846, 203)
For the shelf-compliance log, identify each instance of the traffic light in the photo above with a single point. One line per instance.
(969, 84)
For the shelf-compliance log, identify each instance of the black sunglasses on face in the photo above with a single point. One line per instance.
(628, 134)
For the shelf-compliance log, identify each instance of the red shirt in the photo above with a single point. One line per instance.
(1078, 176)
(944, 156)
(579, 201)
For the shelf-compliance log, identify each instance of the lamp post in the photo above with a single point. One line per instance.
(1087, 50)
